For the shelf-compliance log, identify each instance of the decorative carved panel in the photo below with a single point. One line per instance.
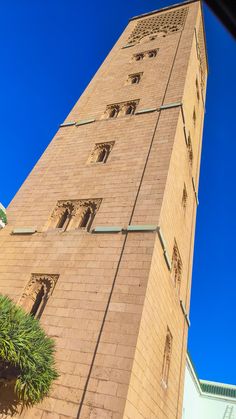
(167, 358)
(101, 148)
(121, 108)
(39, 285)
(159, 25)
(75, 210)
(176, 266)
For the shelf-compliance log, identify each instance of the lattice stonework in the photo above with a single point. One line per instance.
(161, 24)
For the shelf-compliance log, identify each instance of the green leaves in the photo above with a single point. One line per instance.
(3, 216)
(25, 346)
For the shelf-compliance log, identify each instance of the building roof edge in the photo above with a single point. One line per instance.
(201, 385)
(173, 6)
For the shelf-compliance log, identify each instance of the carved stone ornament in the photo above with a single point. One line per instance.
(48, 281)
(99, 148)
(176, 265)
(74, 206)
(161, 24)
(121, 107)
(62, 206)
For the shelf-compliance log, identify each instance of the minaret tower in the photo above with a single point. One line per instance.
(99, 240)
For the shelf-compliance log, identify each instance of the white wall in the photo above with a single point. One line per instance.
(1, 224)
(199, 405)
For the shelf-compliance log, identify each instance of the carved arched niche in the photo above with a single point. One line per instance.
(37, 293)
(167, 358)
(101, 152)
(74, 214)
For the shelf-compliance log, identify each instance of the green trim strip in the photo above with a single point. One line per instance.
(185, 136)
(167, 259)
(195, 192)
(67, 124)
(107, 229)
(24, 230)
(163, 245)
(146, 227)
(128, 46)
(182, 112)
(170, 105)
(84, 122)
(148, 110)
(185, 312)
(162, 240)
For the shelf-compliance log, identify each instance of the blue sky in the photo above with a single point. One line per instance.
(49, 52)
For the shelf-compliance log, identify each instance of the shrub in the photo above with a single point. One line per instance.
(26, 354)
(3, 216)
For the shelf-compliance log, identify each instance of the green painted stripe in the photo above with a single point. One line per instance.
(171, 105)
(84, 122)
(146, 227)
(24, 230)
(167, 259)
(107, 229)
(67, 124)
(128, 46)
(148, 110)
(162, 240)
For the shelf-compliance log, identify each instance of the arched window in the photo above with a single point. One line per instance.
(139, 57)
(37, 293)
(113, 112)
(130, 109)
(166, 359)
(86, 219)
(102, 156)
(64, 220)
(123, 108)
(76, 213)
(101, 152)
(152, 54)
(135, 79)
(38, 302)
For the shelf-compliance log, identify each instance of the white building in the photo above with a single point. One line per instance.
(207, 399)
(2, 216)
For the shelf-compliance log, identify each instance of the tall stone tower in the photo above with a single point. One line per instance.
(99, 241)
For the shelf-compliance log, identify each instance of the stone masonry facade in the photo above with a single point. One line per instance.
(99, 240)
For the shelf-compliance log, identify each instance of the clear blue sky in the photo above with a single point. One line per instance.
(49, 52)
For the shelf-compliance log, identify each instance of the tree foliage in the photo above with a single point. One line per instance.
(25, 353)
(3, 216)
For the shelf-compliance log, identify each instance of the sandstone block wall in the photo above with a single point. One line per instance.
(115, 295)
